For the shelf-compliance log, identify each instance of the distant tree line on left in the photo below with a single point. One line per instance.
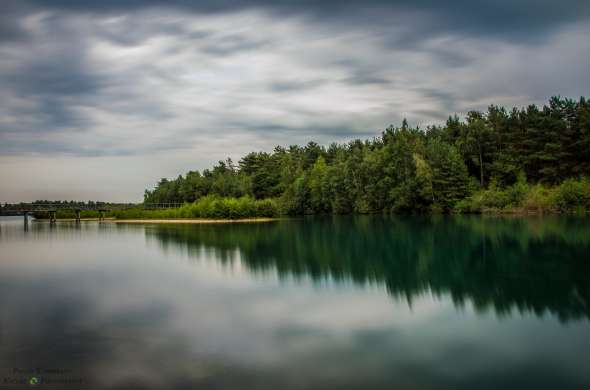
(65, 208)
(63, 203)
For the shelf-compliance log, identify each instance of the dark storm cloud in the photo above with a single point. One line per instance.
(56, 76)
(446, 101)
(279, 86)
(232, 44)
(208, 79)
(135, 31)
(450, 58)
(526, 19)
(362, 72)
(54, 83)
(10, 30)
(48, 73)
(316, 133)
(361, 78)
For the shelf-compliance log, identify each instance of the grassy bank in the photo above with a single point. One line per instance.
(194, 221)
(570, 197)
(208, 207)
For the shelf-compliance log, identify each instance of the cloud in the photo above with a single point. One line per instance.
(139, 78)
(504, 18)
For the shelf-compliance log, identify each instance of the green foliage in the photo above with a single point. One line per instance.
(539, 199)
(208, 207)
(492, 160)
(449, 175)
(492, 198)
(411, 196)
(475, 143)
(573, 195)
(319, 187)
(517, 192)
(294, 200)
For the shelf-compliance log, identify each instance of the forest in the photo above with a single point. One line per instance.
(533, 158)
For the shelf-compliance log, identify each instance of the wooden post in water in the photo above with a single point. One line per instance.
(26, 215)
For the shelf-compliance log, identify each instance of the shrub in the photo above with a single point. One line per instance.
(518, 191)
(266, 208)
(573, 195)
(466, 206)
(492, 198)
(539, 198)
(208, 207)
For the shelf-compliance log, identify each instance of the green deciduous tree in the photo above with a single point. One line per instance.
(407, 169)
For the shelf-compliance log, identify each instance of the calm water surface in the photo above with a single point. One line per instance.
(332, 303)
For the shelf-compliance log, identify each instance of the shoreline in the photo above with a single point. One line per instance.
(165, 221)
(191, 221)
(489, 212)
(105, 219)
(522, 211)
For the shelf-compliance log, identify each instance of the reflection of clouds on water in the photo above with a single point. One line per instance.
(127, 315)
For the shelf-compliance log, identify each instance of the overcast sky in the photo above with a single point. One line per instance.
(99, 99)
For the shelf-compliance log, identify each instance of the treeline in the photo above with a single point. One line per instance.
(66, 204)
(59, 203)
(64, 208)
(497, 159)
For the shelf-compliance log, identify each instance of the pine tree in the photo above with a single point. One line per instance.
(449, 174)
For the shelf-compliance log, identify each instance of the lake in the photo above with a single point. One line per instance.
(322, 303)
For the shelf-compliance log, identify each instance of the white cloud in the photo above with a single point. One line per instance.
(193, 89)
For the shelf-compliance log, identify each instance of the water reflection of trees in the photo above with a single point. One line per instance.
(532, 265)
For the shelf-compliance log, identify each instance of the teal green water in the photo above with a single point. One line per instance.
(323, 303)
